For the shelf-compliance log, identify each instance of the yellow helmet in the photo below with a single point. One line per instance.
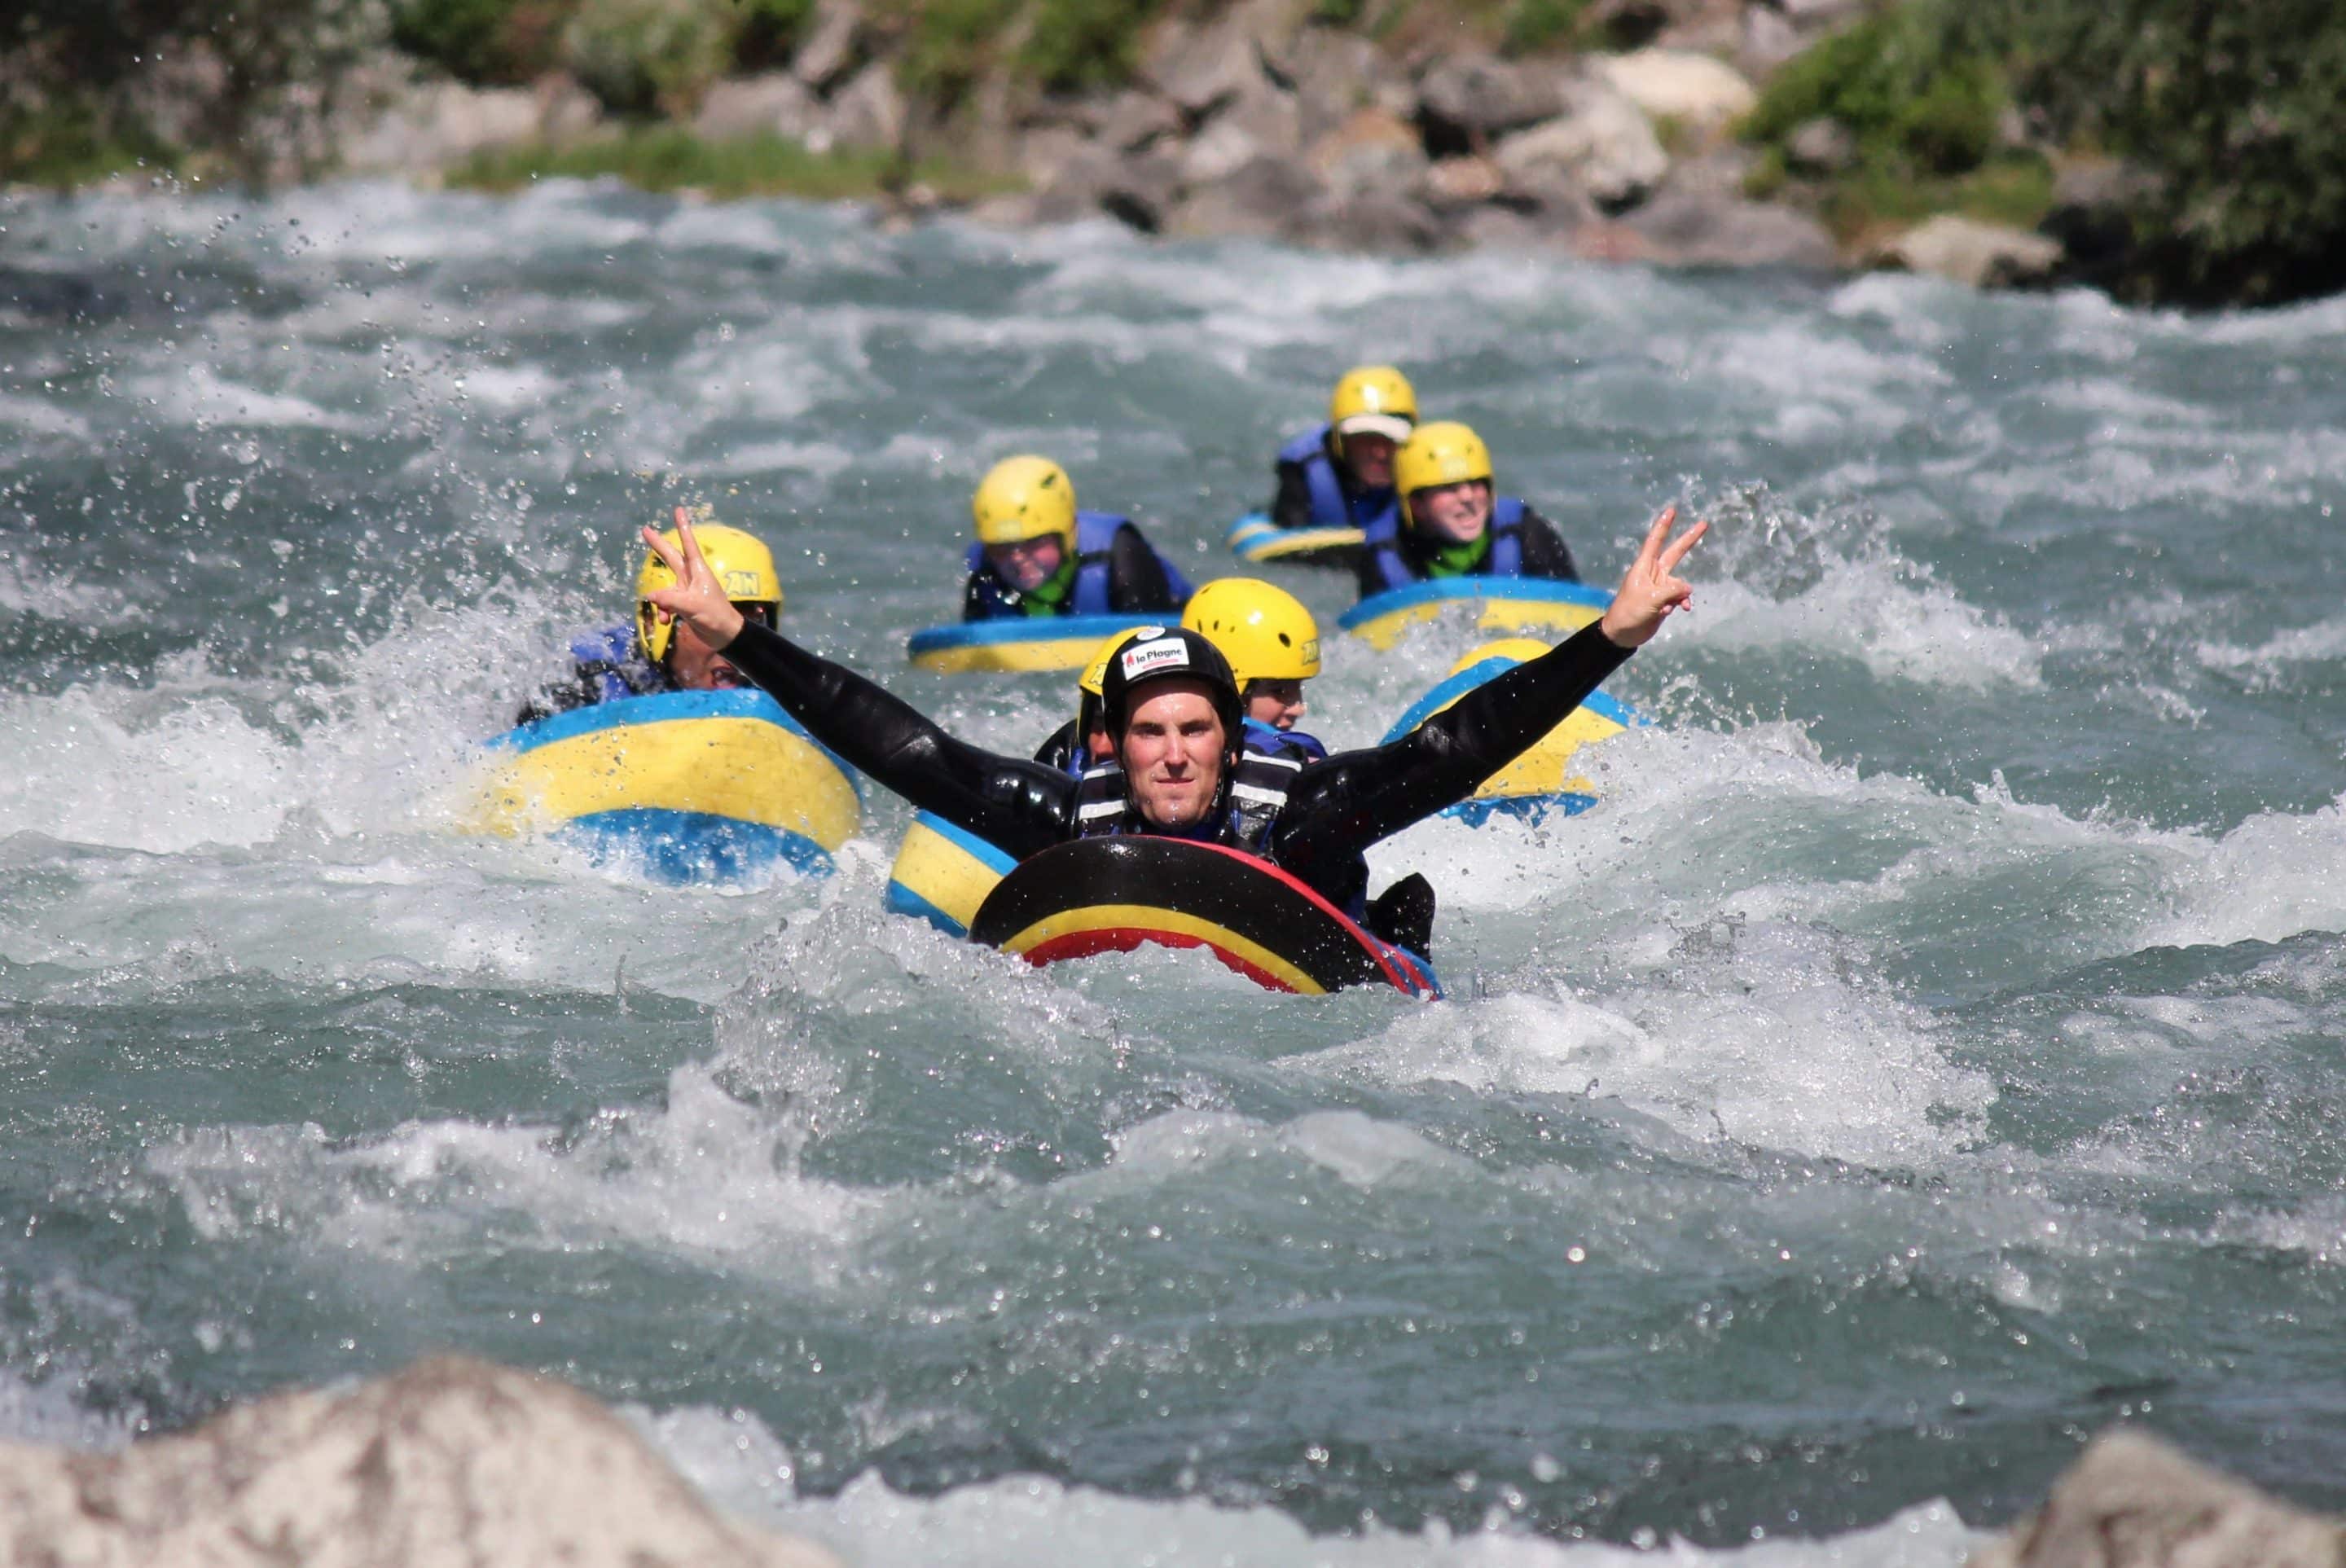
(742, 562)
(1262, 629)
(1024, 498)
(1377, 399)
(1442, 452)
(1089, 685)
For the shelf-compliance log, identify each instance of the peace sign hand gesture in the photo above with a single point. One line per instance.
(1649, 591)
(698, 599)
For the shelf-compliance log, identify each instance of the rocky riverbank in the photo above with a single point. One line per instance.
(1310, 121)
(457, 1460)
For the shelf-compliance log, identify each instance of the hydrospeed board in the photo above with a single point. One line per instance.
(1022, 643)
(1255, 537)
(1501, 604)
(1542, 779)
(690, 786)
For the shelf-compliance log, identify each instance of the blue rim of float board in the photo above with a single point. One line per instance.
(1468, 590)
(902, 899)
(1029, 629)
(622, 713)
(1474, 675)
(692, 846)
(1529, 808)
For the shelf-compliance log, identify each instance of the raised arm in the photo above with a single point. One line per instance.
(1340, 807)
(1019, 806)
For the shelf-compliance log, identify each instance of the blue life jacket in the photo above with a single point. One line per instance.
(1095, 537)
(1505, 559)
(1261, 736)
(611, 659)
(1331, 508)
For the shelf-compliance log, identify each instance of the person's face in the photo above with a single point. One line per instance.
(1028, 563)
(1277, 703)
(1173, 753)
(694, 665)
(1370, 457)
(1455, 514)
(1099, 744)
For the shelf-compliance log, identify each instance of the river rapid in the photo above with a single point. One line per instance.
(1921, 1058)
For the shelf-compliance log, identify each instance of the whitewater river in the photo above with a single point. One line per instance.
(1921, 1058)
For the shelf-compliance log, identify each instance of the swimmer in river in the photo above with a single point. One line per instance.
(1450, 523)
(1037, 555)
(1339, 474)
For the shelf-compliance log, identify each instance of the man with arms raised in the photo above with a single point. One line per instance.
(1173, 711)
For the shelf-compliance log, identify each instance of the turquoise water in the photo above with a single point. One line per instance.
(1920, 1059)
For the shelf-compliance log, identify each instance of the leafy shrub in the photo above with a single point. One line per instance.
(950, 45)
(766, 30)
(1081, 43)
(642, 56)
(1912, 94)
(1536, 24)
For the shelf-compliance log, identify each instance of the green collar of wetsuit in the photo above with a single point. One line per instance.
(1049, 597)
(1456, 560)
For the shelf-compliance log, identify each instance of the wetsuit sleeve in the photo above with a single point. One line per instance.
(1135, 578)
(1546, 553)
(1339, 807)
(1292, 507)
(972, 599)
(1019, 806)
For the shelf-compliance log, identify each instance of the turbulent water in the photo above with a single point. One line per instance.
(1921, 1058)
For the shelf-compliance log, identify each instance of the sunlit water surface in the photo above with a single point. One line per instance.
(1922, 1057)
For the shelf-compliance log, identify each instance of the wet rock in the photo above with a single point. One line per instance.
(1694, 89)
(451, 1462)
(1137, 120)
(773, 103)
(1201, 69)
(1820, 146)
(1338, 74)
(1370, 151)
(869, 112)
(2093, 217)
(1472, 96)
(2132, 1501)
(1688, 228)
(1463, 181)
(1140, 191)
(435, 124)
(1388, 222)
(836, 46)
(1262, 199)
(1263, 122)
(1603, 143)
(1982, 254)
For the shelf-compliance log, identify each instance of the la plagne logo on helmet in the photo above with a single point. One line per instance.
(1167, 654)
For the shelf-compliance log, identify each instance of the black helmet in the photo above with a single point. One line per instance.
(1161, 653)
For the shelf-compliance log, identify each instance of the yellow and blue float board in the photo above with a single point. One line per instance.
(1255, 537)
(690, 786)
(1023, 643)
(943, 874)
(1113, 894)
(1541, 779)
(1504, 604)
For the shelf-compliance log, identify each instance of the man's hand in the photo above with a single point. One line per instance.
(698, 598)
(1649, 591)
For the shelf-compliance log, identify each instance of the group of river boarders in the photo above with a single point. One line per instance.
(1188, 731)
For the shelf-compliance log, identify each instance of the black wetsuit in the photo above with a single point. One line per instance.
(1335, 809)
(1546, 555)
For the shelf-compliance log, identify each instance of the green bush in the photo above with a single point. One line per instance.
(766, 30)
(669, 158)
(1536, 24)
(1913, 93)
(640, 56)
(950, 45)
(1076, 44)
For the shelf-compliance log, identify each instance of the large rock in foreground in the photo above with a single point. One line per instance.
(2131, 1502)
(453, 1461)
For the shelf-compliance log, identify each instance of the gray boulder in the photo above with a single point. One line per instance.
(869, 112)
(1199, 69)
(435, 124)
(773, 103)
(1140, 190)
(450, 1463)
(1820, 146)
(1453, 182)
(1389, 222)
(2132, 1501)
(1262, 122)
(1338, 73)
(1472, 94)
(1688, 228)
(1680, 85)
(1603, 143)
(1262, 199)
(1979, 255)
(1370, 151)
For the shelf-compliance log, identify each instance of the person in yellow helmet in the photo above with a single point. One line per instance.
(1273, 645)
(1038, 554)
(1339, 474)
(657, 653)
(1450, 523)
